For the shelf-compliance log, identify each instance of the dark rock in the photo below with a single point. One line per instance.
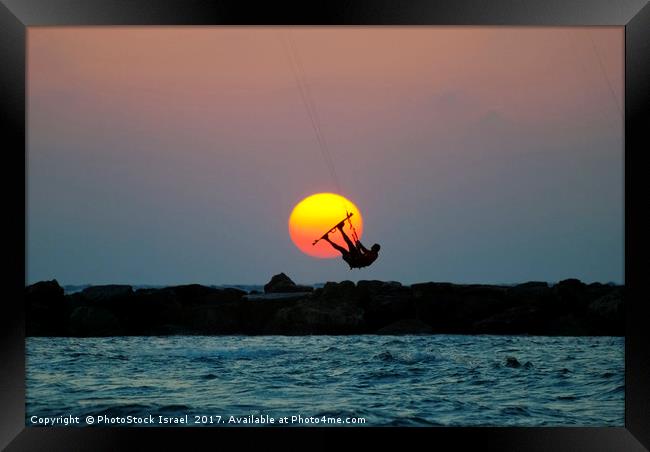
(597, 285)
(572, 324)
(522, 319)
(383, 307)
(406, 326)
(345, 291)
(223, 319)
(46, 311)
(571, 295)
(152, 311)
(383, 302)
(571, 284)
(196, 294)
(532, 292)
(282, 283)
(598, 290)
(375, 286)
(94, 321)
(608, 313)
(255, 316)
(196, 308)
(451, 308)
(103, 293)
(317, 317)
(43, 291)
(511, 361)
(608, 306)
(278, 296)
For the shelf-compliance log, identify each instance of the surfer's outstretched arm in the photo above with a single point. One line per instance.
(340, 249)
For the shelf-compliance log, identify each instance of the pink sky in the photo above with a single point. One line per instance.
(140, 138)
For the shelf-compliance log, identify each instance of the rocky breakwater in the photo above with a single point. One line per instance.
(367, 307)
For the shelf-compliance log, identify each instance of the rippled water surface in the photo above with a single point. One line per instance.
(387, 380)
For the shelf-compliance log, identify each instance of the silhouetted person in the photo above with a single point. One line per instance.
(357, 255)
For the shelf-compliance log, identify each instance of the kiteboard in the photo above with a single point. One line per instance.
(347, 218)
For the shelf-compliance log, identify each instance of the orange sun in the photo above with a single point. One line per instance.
(314, 215)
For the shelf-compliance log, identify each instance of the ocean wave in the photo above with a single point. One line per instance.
(414, 381)
(406, 357)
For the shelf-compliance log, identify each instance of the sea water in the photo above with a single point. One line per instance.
(432, 380)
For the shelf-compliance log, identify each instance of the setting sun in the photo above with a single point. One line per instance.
(315, 215)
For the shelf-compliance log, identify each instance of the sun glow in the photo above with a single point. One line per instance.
(315, 215)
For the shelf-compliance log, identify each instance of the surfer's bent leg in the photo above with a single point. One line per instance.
(340, 249)
(351, 246)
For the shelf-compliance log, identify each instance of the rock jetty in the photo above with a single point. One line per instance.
(569, 307)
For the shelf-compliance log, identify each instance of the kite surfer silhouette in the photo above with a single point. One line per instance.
(357, 255)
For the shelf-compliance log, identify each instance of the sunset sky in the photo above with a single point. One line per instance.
(170, 155)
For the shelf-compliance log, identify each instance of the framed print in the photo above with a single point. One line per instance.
(359, 218)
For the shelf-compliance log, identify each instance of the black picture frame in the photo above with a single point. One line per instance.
(634, 15)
